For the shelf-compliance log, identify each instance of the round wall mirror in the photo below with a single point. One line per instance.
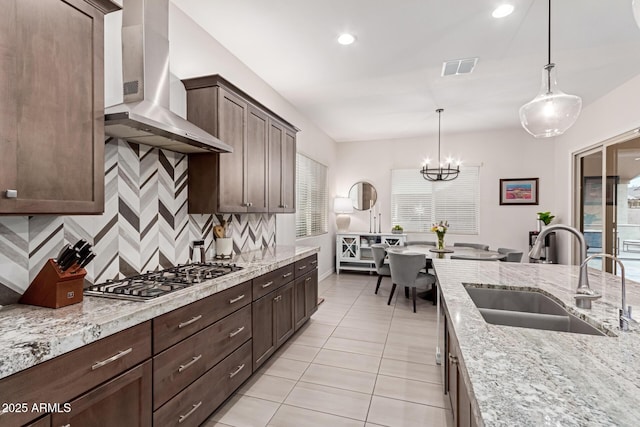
(363, 195)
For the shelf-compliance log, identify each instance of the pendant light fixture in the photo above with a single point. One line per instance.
(552, 112)
(635, 5)
(442, 172)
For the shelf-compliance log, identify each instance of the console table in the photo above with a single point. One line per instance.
(353, 250)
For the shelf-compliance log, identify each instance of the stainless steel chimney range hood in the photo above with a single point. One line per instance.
(144, 117)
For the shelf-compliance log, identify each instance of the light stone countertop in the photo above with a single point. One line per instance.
(527, 377)
(30, 335)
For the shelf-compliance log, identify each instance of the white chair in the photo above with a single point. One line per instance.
(405, 271)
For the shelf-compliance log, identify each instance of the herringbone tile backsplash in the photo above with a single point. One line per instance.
(145, 225)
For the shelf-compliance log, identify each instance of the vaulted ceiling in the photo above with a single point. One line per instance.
(388, 83)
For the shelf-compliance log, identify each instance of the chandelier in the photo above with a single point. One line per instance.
(444, 172)
(552, 111)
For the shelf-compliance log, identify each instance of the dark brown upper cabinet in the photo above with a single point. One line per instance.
(259, 176)
(51, 114)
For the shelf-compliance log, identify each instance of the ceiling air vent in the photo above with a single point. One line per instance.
(458, 66)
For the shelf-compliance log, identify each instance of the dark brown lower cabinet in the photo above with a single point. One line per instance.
(283, 311)
(195, 403)
(454, 383)
(264, 343)
(41, 422)
(122, 401)
(306, 297)
(273, 322)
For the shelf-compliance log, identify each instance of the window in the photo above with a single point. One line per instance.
(311, 197)
(417, 203)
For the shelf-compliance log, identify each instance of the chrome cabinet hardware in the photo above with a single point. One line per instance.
(236, 332)
(234, 373)
(314, 262)
(236, 299)
(11, 194)
(278, 298)
(307, 279)
(191, 362)
(453, 359)
(112, 359)
(191, 411)
(302, 267)
(188, 322)
(286, 275)
(266, 285)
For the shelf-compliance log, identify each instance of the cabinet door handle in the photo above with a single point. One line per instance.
(236, 332)
(278, 298)
(191, 362)
(307, 279)
(266, 285)
(11, 194)
(188, 322)
(236, 299)
(234, 373)
(453, 359)
(250, 204)
(286, 275)
(112, 358)
(302, 267)
(191, 411)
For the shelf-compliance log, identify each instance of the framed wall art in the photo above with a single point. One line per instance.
(519, 191)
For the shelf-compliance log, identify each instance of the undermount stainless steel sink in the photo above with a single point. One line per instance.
(526, 309)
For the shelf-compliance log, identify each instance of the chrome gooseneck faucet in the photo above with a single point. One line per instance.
(584, 294)
(625, 311)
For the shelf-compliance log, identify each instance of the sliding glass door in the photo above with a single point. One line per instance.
(608, 202)
(622, 205)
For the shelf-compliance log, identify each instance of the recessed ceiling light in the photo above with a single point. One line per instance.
(346, 39)
(502, 11)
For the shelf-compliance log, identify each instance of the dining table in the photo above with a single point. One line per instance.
(431, 252)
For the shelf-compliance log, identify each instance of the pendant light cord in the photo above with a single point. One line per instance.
(439, 110)
(549, 35)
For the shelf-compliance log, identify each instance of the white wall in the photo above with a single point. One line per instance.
(193, 53)
(502, 154)
(605, 118)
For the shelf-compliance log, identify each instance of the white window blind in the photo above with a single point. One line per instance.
(417, 203)
(311, 197)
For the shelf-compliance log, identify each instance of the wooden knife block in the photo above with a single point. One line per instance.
(54, 288)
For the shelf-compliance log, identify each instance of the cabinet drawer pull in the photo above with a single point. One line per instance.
(453, 359)
(302, 268)
(234, 373)
(11, 194)
(67, 425)
(286, 275)
(191, 411)
(307, 279)
(266, 285)
(188, 322)
(236, 332)
(194, 360)
(314, 262)
(236, 299)
(112, 358)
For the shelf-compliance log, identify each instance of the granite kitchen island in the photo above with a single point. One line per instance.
(528, 377)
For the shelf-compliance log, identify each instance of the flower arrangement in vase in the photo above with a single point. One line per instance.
(440, 229)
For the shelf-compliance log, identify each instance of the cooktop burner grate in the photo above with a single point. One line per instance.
(153, 284)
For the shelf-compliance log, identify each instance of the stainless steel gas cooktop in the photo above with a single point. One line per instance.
(157, 283)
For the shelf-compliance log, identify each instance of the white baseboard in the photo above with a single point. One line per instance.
(324, 275)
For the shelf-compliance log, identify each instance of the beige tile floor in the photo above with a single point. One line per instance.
(357, 362)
